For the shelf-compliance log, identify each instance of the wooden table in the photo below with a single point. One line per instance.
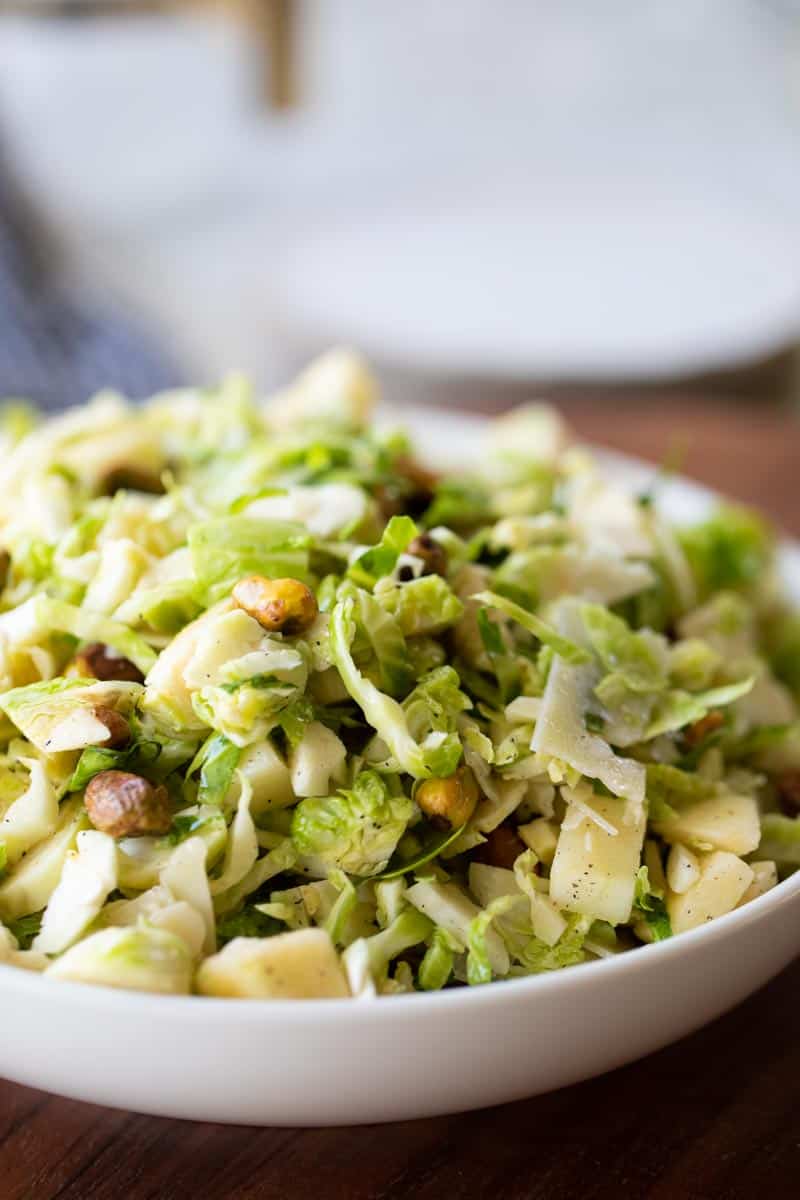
(716, 1117)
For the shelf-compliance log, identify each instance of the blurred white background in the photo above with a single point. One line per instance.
(531, 190)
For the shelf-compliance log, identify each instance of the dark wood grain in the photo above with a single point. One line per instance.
(747, 452)
(716, 1117)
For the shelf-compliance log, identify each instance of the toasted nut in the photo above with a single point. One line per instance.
(411, 491)
(119, 731)
(279, 605)
(423, 478)
(97, 661)
(503, 847)
(433, 555)
(693, 735)
(126, 805)
(126, 477)
(788, 787)
(450, 801)
(390, 500)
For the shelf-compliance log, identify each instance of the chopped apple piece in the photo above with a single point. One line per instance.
(302, 965)
(765, 876)
(725, 822)
(724, 879)
(683, 869)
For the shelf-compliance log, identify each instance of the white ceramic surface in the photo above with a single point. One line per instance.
(344, 1062)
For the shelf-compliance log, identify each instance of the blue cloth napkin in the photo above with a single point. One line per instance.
(55, 349)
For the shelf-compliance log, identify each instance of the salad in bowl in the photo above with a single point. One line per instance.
(286, 714)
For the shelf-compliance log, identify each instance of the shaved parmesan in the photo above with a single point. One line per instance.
(594, 872)
(561, 732)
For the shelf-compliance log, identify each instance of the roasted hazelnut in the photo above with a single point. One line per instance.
(450, 801)
(279, 605)
(410, 491)
(96, 661)
(126, 805)
(423, 478)
(390, 500)
(787, 785)
(694, 734)
(129, 478)
(433, 555)
(119, 731)
(503, 847)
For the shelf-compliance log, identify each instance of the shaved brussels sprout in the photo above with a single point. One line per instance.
(227, 549)
(356, 830)
(27, 888)
(423, 606)
(30, 818)
(141, 959)
(88, 877)
(61, 714)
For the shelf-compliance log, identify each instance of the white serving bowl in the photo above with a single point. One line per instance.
(337, 1062)
(331, 1062)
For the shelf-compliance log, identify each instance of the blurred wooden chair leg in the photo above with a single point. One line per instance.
(274, 23)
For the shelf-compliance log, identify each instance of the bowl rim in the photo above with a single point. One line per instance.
(385, 1008)
(21, 982)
